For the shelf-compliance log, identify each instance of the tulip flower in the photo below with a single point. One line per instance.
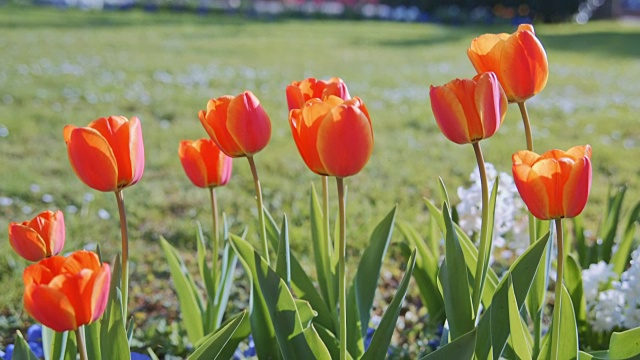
(108, 154)
(238, 125)
(555, 184)
(39, 238)
(64, 293)
(467, 110)
(299, 92)
(204, 163)
(519, 61)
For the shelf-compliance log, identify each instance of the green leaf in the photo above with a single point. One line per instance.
(322, 249)
(518, 332)
(489, 238)
(228, 266)
(625, 345)
(218, 343)
(610, 226)
(92, 340)
(425, 273)
(191, 306)
(596, 355)
(581, 242)
(573, 282)
(460, 348)
(22, 351)
(620, 258)
(54, 343)
(355, 340)
(538, 292)
(261, 324)
(113, 336)
(382, 335)
(283, 267)
(455, 283)
(71, 348)
(442, 189)
(567, 332)
(206, 273)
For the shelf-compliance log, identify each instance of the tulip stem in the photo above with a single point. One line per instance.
(82, 347)
(527, 125)
(263, 230)
(328, 268)
(215, 237)
(557, 306)
(485, 242)
(125, 253)
(341, 269)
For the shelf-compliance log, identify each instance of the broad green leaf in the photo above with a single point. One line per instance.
(216, 344)
(460, 348)
(538, 292)
(382, 335)
(330, 341)
(597, 355)
(425, 273)
(241, 333)
(283, 267)
(610, 225)
(625, 345)
(581, 242)
(71, 348)
(54, 343)
(444, 194)
(518, 333)
(22, 351)
(113, 336)
(228, 266)
(455, 283)
(573, 283)
(483, 266)
(207, 274)
(620, 258)
(261, 324)
(191, 306)
(322, 250)
(305, 311)
(355, 340)
(92, 339)
(567, 332)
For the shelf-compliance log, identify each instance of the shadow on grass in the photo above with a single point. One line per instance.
(601, 43)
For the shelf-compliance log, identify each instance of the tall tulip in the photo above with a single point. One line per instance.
(107, 154)
(554, 185)
(204, 163)
(39, 238)
(467, 111)
(299, 92)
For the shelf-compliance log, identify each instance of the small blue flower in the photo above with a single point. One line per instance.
(8, 352)
(251, 351)
(368, 337)
(34, 333)
(36, 348)
(138, 356)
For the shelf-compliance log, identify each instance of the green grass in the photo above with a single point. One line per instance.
(61, 67)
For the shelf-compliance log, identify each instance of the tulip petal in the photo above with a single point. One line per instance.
(523, 66)
(193, 164)
(99, 291)
(577, 188)
(484, 52)
(449, 114)
(491, 103)
(248, 123)
(532, 190)
(27, 242)
(91, 158)
(214, 121)
(50, 307)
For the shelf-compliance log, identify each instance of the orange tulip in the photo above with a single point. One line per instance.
(555, 184)
(467, 110)
(204, 163)
(108, 154)
(39, 238)
(519, 61)
(238, 125)
(299, 92)
(334, 137)
(64, 293)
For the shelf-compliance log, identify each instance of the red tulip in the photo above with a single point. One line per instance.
(555, 184)
(39, 238)
(238, 125)
(66, 293)
(204, 163)
(299, 92)
(108, 154)
(519, 61)
(468, 111)
(334, 137)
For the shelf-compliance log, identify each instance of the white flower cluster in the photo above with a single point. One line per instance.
(619, 306)
(510, 228)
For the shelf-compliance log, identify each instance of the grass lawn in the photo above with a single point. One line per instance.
(61, 67)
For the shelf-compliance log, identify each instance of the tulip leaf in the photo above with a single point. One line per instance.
(425, 273)
(92, 340)
(228, 266)
(625, 344)
(567, 333)
(219, 343)
(206, 273)
(610, 225)
(330, 341)
(620, 258)
(382, 335)
(322, 249)
(283, 264)
(518, 332)
(22, 350)
(455, 283)
(459, 348)
(113, 336)
(444, 194)
(191, 306)
(71, 348)
(573, 283)
(355, 341)
(596, 355)
(54, 343)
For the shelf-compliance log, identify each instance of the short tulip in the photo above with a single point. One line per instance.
(344, 136)
(39, 238)
(519, 61)
(555, 184)
(469, 110)
(107, 154)
(204, 163)
(299, 92)
(238, 125)
(64, 293)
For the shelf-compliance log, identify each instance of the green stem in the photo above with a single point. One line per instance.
(527, 125)
(341, 269)
(125, 252)
(82, 347)
(263, 229)
(557, 306)
(325, 210)
(215, 238)
(485, 242)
